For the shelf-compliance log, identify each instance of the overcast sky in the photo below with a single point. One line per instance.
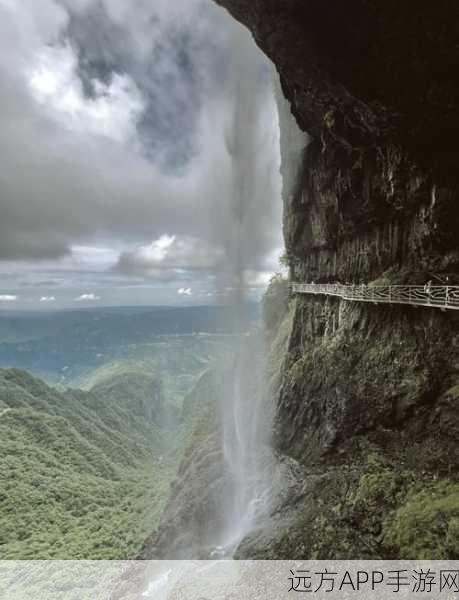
(139, 154)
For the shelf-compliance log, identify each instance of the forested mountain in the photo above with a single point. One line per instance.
(86, 464)
(84, 474)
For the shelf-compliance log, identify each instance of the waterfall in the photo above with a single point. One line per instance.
(247, 419)
(254, 189)
(226, 493)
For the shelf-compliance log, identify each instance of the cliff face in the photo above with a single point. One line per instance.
(373, 84)
(368, 399)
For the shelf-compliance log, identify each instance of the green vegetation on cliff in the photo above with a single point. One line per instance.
(427, 524)
(194, 509)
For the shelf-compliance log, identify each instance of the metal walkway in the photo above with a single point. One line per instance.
(435, 296)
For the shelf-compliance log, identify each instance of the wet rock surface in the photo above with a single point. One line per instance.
(367, 404)
(373, 85)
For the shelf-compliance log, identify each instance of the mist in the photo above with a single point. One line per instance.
(248, 185)
(249, 199)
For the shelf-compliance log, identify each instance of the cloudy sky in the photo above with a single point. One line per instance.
(140, 154)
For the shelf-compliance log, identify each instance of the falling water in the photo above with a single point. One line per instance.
(246, 449)
(252, 144)
(245, 222)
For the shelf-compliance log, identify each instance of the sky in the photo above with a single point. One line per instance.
(140, 155)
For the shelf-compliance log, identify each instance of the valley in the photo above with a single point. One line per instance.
(89, 456)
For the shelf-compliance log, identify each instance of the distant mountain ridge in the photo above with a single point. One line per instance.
(27, 325)
(52, 342)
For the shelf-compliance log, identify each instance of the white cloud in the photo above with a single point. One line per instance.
(87, 209)
(170, 256)
(87, 298)
(156, 252)
(8, 298)
(48, 299)
(55, 85)
(184, 292)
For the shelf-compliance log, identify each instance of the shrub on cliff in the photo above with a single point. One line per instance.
(275, 302)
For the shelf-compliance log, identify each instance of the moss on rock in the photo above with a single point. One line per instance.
(426, 526)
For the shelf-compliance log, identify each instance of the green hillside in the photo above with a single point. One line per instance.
(83, 474)
(114, 382)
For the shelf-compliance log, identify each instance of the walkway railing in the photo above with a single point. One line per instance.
(439, 296)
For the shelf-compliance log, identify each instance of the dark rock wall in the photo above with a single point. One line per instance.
(367, 71)
(380, 374)
(357, 217)
(374, 84)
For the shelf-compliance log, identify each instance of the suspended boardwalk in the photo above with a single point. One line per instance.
(435, 296)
